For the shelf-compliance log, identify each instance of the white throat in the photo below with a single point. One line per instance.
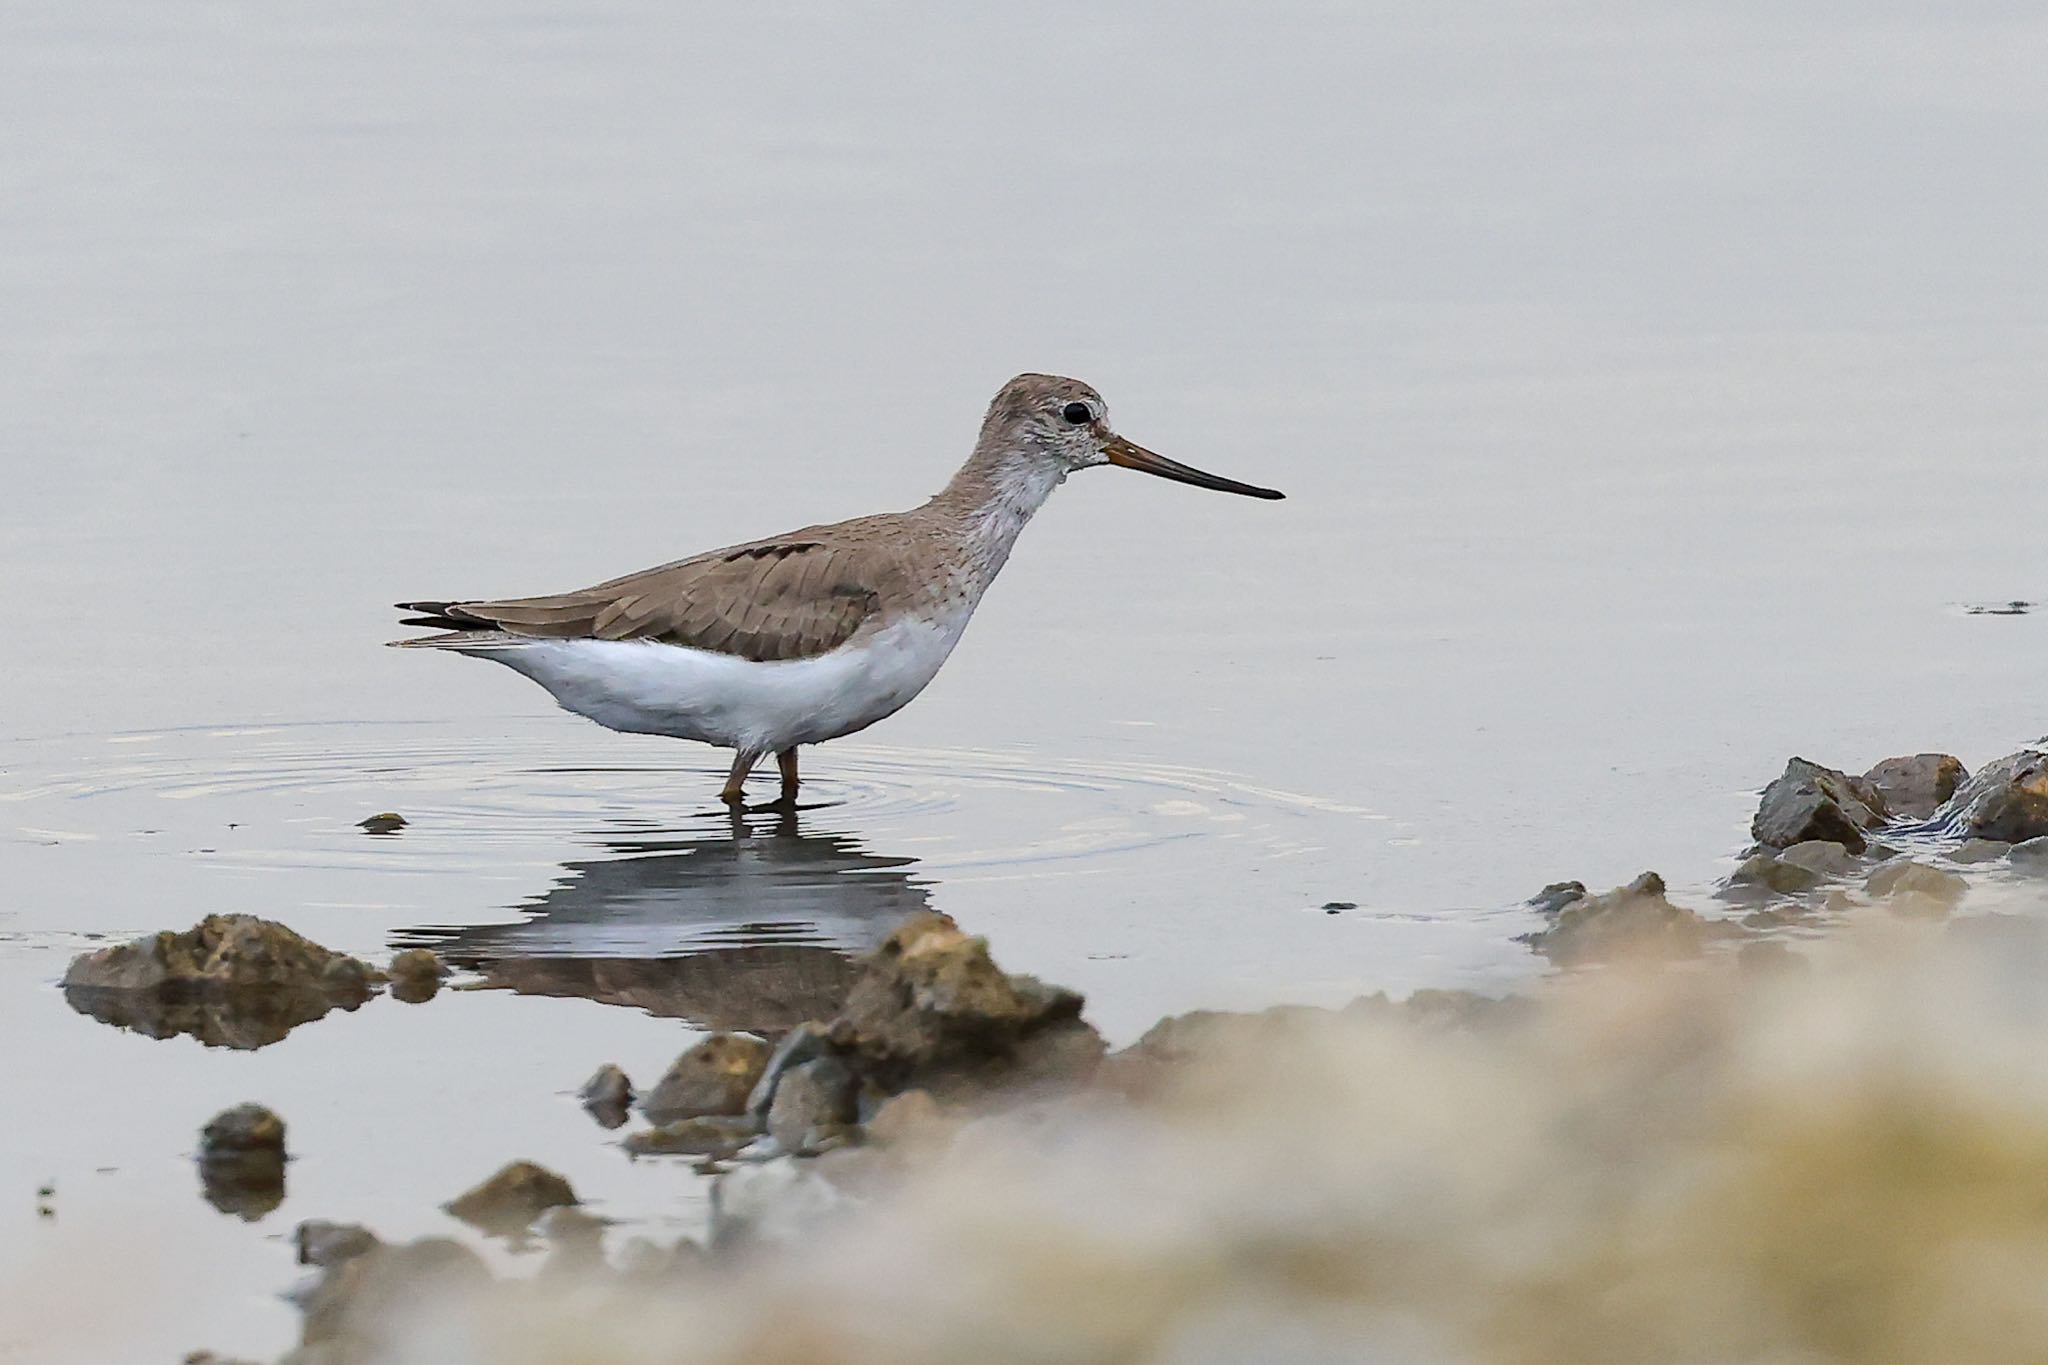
(1019, 488)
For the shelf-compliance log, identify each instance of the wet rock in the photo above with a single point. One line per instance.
(714, 1077)
(242, 1161)
(361, 1307)
(1811, 802)
(1634, 921)
(230, 981)
(1916, 785)
(416, 975)
(715, 1135)
(1917, 891)
(1979, 851)
(209, 1358)
(323, 1243)
(508, 1202)
(931, 1007)
(241, 1130)
(2006, 800)
(814, 1104)
(1906, 875)
(805, 1043)
(1765, 870)
(1822, 857)
(1556, 897)
(2030, 857)
(607, 1094)
(384, 822)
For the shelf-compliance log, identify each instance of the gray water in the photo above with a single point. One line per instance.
(1655, 391)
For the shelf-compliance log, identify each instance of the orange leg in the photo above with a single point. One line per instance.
(786, 762)
(735, 792)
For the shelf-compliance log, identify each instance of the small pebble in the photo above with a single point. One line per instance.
(384, 822)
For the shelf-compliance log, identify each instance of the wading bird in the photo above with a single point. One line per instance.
(764, 647)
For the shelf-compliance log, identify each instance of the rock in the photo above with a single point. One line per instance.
(606, 1095)
(508, 1202)
(2031, 856)
(2006, 800)
(715, 1135)
(362, 1307)
(1917, 785)
(1556, 897)
(1979, 851)
(1812, 802)
(805, 1043)
(1918, 878)
(814, 1103)
(384, 822)
(238, 1131)
(931, 1007)
(1770, 957)
(1770, 872)
(1634, 921)
(1822, 857)
(912, 1120)
(714, 1077)
(242, 1161)
(230, 981)
(328, 1244)
(416, 975)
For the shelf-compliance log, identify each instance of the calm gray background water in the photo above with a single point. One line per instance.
(1653, 388)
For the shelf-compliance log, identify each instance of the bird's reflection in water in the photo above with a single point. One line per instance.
(751, 927)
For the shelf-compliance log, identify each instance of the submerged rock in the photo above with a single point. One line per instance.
(1768, 871)
(1811, 802)
(930, 1007)
(1917, 890)
(714, 1077)
(322, 1243)
(1979, 851)
(383, 822)
(1914, 786)
(508, 1202)
(1556, 897)
(2006, 800)
(2031, 856)
(416, 975)
(242, 1160)
(607, 1094)
(707, 1135)
(230, 981)
(1633, 921)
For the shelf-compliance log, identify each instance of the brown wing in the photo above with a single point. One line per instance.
(782, 599)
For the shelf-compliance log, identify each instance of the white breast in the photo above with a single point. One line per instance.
(645, 687)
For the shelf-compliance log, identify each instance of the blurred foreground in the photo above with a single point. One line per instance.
(1754, 1156)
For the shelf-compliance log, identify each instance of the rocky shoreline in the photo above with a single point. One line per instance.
(934, 1042)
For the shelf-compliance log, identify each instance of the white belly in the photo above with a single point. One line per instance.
(649, 688)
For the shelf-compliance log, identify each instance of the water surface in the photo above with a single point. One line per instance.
(1655, 394)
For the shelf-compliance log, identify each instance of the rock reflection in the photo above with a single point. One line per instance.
(749, 928)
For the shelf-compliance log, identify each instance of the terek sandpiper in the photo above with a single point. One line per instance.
(808, 636)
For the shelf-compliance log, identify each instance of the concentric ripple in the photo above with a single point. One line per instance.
(292, 795)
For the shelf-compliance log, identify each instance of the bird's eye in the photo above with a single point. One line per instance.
(1080, 414)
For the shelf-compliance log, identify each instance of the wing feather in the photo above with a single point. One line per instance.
(779, 599)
